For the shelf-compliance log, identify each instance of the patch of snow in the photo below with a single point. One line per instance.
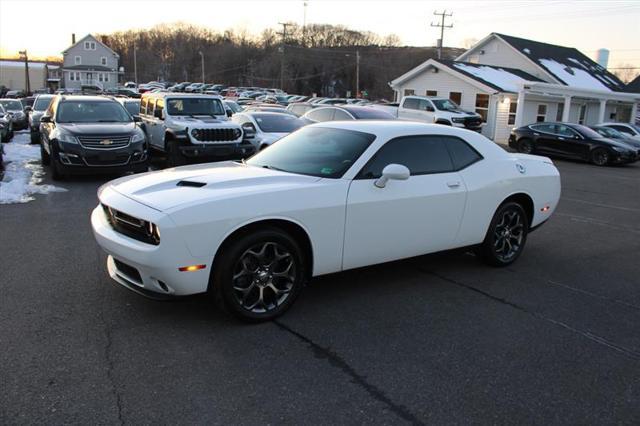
(527, 51)
(575, 61)
(496, 76)
(612, 81)
(579, 79)
(23, 172)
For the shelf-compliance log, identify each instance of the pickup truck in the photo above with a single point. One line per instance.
(433, 110)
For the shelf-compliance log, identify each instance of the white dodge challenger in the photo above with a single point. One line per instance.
(330, 197)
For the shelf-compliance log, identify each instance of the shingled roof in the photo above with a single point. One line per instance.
(567, 64)
(634, 86)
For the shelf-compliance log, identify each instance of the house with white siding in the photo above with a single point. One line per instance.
(89, 63)
(512, 82)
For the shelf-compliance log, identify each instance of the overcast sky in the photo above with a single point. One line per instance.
(45, 27)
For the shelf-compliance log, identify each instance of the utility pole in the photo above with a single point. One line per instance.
(442, 26)
(357, 74)
(27, 82)
(202, 63)
(135, 62)
(284, 40)
(304, 25)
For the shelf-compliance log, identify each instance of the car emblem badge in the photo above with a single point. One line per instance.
(106, 142)
(521, 168)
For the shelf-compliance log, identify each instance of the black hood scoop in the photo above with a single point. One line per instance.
(191, 184)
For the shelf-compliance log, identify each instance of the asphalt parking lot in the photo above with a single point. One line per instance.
(555, 338)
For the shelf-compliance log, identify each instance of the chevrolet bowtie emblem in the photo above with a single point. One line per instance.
(106, 142)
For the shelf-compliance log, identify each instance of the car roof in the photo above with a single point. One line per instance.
(86, 98)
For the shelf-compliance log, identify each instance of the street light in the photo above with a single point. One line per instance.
(357, 72)
(23, 54)
(202, 62)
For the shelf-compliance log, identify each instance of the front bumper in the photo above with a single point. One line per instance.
(75, 158)
(231, 151)
(150, 270)
(20, 123)
(626, 157)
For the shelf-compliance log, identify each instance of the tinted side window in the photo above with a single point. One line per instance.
(411, 103)
(462, 154)
(323, 114)
(421, 154)
(547, 128)
(623, 129)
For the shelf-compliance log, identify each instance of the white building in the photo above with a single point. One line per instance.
(89, 63)
(512, 81)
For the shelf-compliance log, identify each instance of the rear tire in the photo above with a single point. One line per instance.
(506, 236)
(258, 276)
(525, 146)
(600, 157)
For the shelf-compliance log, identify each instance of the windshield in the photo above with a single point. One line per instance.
(445, 104)
(370, 114)
(132, 107)
(608, 132)
(195, 106)
(42, 103)
(86, 111)
(586, 131)
(234, 106)
(314, 151)
(12, 105)
(278, 123)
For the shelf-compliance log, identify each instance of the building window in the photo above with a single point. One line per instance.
(103, 60)
(71, 76)
(583, 113)
(106, 77)
(89, 45)
(542, 113)
(456, 97)
(77, 60)
(432, 93)
(409, 92)
(513, 107)
(482, 106)
(100, 78)
(560, 112)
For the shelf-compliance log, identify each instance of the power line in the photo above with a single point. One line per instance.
(442, 26)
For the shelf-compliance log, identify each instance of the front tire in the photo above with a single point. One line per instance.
(35, 138)
(506, 236)
(174, 156)
(45, 159)
(259, 275)
(600, 157)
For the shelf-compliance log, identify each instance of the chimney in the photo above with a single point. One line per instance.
(73, 38)
(602, 57)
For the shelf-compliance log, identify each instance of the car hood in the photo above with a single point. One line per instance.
(618, 143)
(166, 189)
(110, 129)
(461, 112)
(199, 119)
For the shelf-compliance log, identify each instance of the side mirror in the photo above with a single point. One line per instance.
(137, 119)
(158, 114)
(28, 109)
(229, 113)
(392, 172)
(45, 119)
(429, 108)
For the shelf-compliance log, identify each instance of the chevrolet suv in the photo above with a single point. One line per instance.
(91, 134)
(195, 126)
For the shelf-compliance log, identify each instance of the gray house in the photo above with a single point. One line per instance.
(89, 63)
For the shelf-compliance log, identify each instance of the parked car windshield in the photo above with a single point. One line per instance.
(278, 123)
(234, 106)
(586, 131)
(11, 105)
(195, 106)
(85, 111)
(609, 132)
(314, 151)
(42, 103)
(133, 107)
(445, 104)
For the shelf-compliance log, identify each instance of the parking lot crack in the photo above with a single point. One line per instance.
(630, 353)
(338, 362)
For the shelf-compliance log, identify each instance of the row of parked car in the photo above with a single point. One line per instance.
(91, 134)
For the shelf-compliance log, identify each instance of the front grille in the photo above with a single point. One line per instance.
(104, 142)
(99, 161)
(131, 226)
(472, 121)
(215, 135)
(131, 272)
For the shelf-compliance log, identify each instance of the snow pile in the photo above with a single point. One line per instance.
(23, 172)
(496, 76)
(573, 76)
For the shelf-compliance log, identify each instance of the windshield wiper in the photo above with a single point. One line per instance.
(266, 166)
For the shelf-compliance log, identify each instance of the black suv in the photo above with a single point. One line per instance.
(91, 134)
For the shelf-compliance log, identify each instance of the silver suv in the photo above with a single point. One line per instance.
(191, 126)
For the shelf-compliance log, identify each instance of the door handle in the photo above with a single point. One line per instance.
(561, 138)
(536, 134)
(455, 184)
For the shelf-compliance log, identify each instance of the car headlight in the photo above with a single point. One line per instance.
(66, 137)
(620, 149)
(138, 137)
